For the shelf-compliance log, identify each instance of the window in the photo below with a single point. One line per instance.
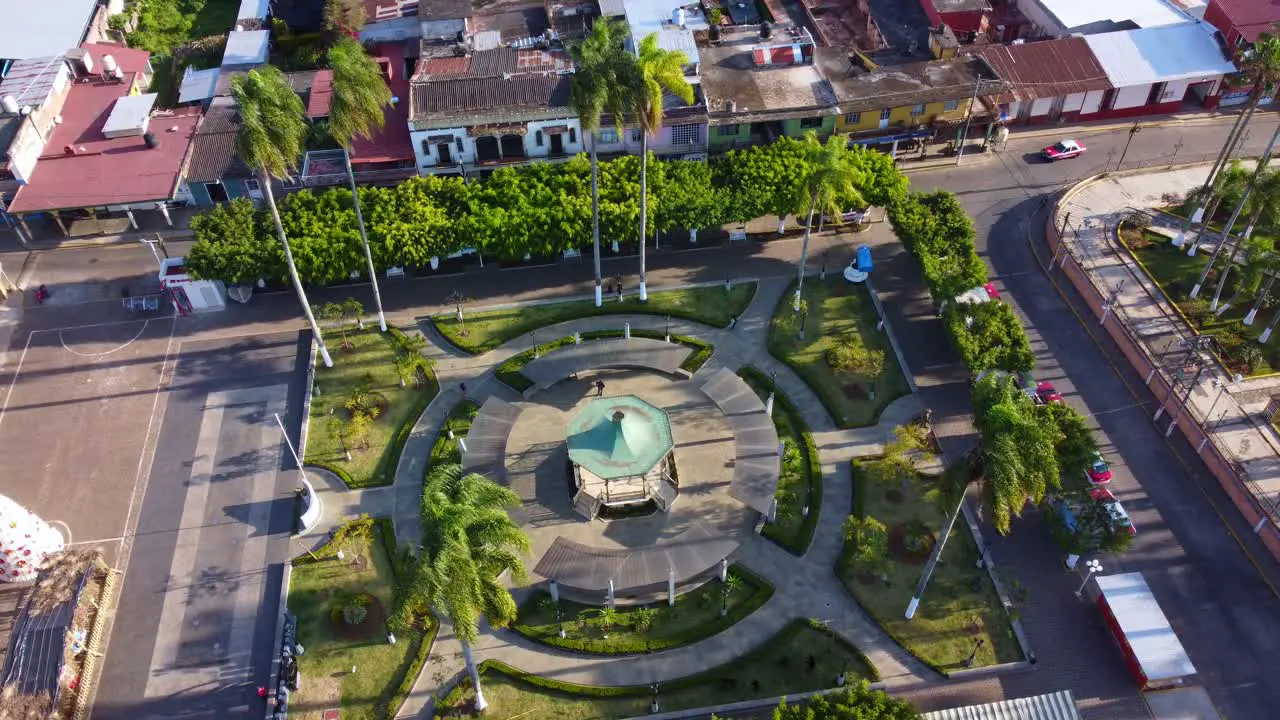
(573, 135)
(458, 142)
(951, 105)
(884, 114)
(686, 134)
(917, 109)
(252, 187)
(607, 136)
(537, 138)
(852, 118)
(724, 130)
(637, 135)
(810, 123)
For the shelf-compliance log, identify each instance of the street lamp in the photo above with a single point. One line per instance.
(1093, 566)
(968, 662)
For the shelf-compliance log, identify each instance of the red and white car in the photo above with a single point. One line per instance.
(1104, 497)
(1062, 150)
(1098, 472)
(981, 294)
(1046, 394)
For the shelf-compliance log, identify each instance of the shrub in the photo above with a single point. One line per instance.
(355, 610)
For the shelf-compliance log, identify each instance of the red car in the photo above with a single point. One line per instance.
(1104, 498)
(1098, 473)
(1062, 150)
(1046, 393)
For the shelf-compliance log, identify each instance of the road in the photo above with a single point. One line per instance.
(1216, 599)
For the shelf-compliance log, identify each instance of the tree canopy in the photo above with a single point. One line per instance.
(854, 702)
(989, 336)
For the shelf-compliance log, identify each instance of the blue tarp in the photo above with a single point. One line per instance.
(864, 259)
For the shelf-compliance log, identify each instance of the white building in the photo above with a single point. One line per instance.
(1058, 18)
(1156, 70)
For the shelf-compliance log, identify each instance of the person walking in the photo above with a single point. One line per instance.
(599, 388)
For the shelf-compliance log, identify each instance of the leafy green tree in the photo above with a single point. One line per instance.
(468, 540)
(936, 229)
(337, 429)
(880, 183)
(899, 461)
(1076, 444)
(322, 229)
(360, 99)
(604, 78)
(660, 71)
(271, 138)
(1015, 460)
(1263, 197)
(416, 220)
(343, 16)
(688, 199)
(831, 177)
(232, 245)
(989, 336)
(870, 542)
(1089, 529)
(853, 702)
(360, 426)
(333, 313)
(764, 179)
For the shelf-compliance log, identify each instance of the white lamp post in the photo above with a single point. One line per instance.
(1093, 566)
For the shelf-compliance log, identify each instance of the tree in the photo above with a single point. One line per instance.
(468, 541)
(832, 177)
(232, 246)
(659, 71)
(936, 229)
(853, 702)
(688, 199)
(603, 78)
(870, 541)
(270, 140)
(353, 308)
(1075, 445)
(337, 429)
(989, 336)
(360, 96)
(1262, 199)
(764, 179)
(899, 458)
(1016, 458)
(343, 16)
(360, 426)
(1083, 526)
(334, 314)
(880, 183)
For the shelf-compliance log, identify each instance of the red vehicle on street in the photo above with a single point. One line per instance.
(1046, 393)
(1062, 150)
(1104, 497)
(1098, 473)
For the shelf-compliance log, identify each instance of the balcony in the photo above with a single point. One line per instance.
(363, 177)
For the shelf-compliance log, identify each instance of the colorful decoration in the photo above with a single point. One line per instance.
(26, 542)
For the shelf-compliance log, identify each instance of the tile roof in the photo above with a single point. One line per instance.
(321, 95)
(491, 85)
(1046, 69)
(213, 149)
(493, 63)
(1251, 17)
(105, 171)
(392, 141)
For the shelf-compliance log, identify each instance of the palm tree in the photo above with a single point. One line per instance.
(359, 96)
(659, 71)
(602, 83)
(1266, 191)
(831, 179)
(468, 540)
(271, 139)
(1262, 63)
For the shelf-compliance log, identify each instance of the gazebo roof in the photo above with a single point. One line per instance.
(619, 437)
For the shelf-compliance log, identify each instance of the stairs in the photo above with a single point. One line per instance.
(665, 495)
(586, 505)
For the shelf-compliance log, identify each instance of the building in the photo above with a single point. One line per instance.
(49, 28)
(409, 20)
(1051, 706)
(112, 152)
(1156, 70)
(1058, 18)
(490, 108)
(31, 99)
(1050, 81)
(966, 18)
(758, 88)
(1241, 22)
(215, 173)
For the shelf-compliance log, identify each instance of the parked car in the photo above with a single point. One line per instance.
(973, 296)
(1046, 393)
(1062, 150)
(1098, 472)
(1118, 515)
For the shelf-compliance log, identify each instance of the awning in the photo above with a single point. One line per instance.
(881, 139)
(439, 138)
(556, 129)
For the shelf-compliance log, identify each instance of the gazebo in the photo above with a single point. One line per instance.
(620, 449)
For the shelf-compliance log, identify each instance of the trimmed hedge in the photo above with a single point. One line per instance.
(763, 591)
(691, 681)
(808, 450)
(509, 371)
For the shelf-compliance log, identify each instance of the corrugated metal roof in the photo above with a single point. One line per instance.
(613, 8)
(1143, 13)
(39, 29)
(1051, 68)
(1164, 54)
(198, 85)
(1054, 706)
(1151, 639)
(246, 47)
(31, 82)
(252, 10)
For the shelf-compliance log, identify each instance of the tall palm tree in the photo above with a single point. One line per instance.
(1266, 192)
(832, 179)
(659, 71)
(468, 540)
(603, 80)
(360, 95)
(1261, 63)
(271, 139)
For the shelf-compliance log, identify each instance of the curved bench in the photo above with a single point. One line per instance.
(688, 554)
(487, 440)
(756, 466)
(636, 353)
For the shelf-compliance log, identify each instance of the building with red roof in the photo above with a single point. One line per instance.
(1242, 21)
(112, 149)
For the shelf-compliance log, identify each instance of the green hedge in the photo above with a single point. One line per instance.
(763, 591)
(509, 371)
(809, 450)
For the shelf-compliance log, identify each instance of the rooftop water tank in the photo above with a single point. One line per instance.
(9, 104)
(109, 64)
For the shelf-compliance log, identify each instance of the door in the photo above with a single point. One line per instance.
(557, 144)
(884, 118)
(445, 152)
(217, 193)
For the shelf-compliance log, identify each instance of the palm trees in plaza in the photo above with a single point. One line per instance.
(831, 181)
(271, 138)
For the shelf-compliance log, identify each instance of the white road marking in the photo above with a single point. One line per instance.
(106, 352)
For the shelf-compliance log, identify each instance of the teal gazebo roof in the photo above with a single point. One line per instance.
(619, 437)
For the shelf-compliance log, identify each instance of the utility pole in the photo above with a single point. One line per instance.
(1137, 128)
(933, 560)
(977, 85)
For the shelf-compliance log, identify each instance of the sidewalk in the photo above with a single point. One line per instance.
(1243, 445)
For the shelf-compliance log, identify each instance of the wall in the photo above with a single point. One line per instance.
(570, 148)
(717, 142)
(427, 157)
(1092, 102)
(900, 116)
(1041, 106)
(1130, 97)
(1039, 21)
(1073, 102)
(1216, 16)
(794, 129)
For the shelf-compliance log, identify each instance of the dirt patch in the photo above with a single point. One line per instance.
(903, 549)
(855, 391)
(374, 621)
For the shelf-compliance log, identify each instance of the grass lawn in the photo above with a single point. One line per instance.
(1177, 274)
(370, 361)
(798, 659)
(800, 483)
(695, 616)
(837, 310)
(318, 591)
(484, 331)
(960, 605)
(165, 25)
(445, 450)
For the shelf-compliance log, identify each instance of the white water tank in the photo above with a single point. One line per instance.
(9, 104)
(109, 64)
(677, 17)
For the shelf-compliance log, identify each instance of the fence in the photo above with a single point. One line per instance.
(1220, 461)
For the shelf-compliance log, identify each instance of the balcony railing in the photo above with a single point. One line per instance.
(362, 176)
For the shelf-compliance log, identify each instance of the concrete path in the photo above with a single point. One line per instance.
(804, 587)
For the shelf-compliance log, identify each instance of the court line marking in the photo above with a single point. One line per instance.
(17, 370)
(93, 356)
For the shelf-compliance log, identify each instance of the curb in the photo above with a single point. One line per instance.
(89, 671)
(306, 404)
(273, 676)
(893, 340)
(1018, 633)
